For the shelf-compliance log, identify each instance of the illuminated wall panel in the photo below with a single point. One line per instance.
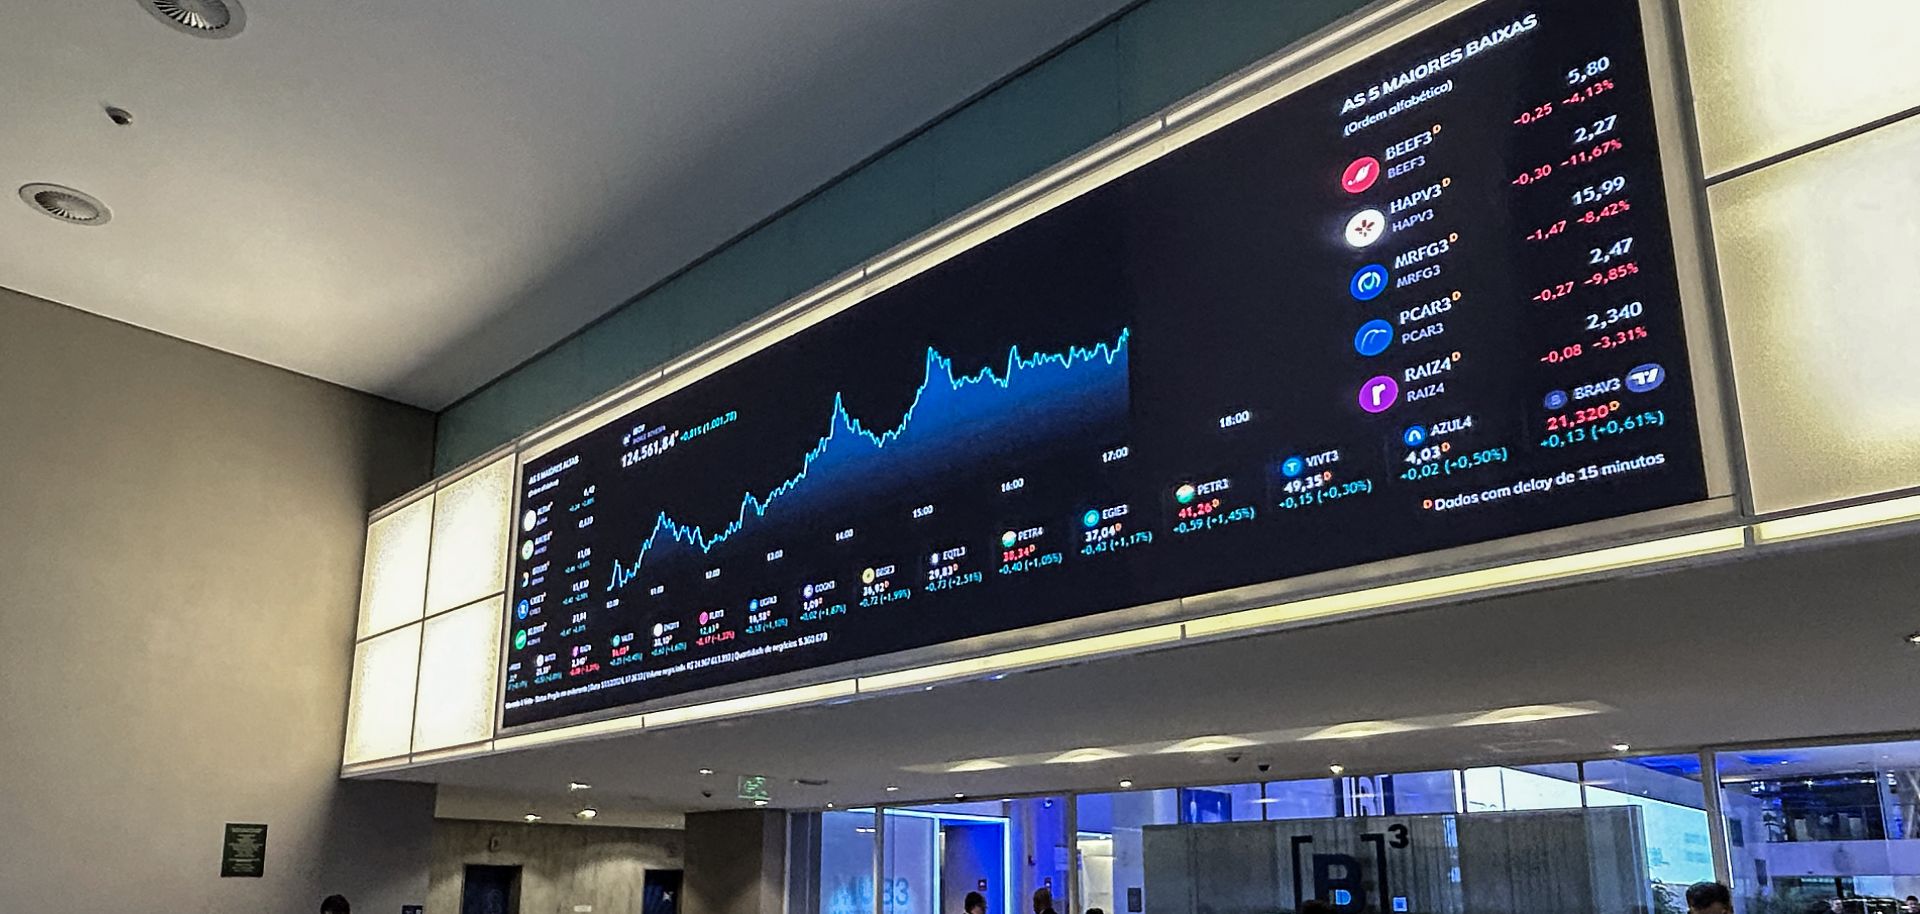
(1817, 259)
(459, 666)
(470, 527)
(1774, 75)
(394, 580)
(380, 711)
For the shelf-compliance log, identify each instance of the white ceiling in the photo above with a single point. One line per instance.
(1789, 645)
(410, 198)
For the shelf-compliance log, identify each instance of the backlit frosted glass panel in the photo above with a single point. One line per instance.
(394, 580)
(459, 660)
(380, 713)
(470, 527)
(1818, 260)
(1773, 75)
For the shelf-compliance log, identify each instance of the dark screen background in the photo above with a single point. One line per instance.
(854, 487)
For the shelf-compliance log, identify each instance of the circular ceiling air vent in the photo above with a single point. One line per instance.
(201, 18)
(66, 204)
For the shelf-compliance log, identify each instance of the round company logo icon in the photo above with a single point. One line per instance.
(1414, 436)
(1646, 377)
(1366, 227)
(753, 605)
(1379, 394)
(1008, 539)
(1369, 282)
(526, 550)
(1373, 338)
(806, 593)
(522, 610)
(703, 618)
(1292, 467)
(1184, 494)
(659, 629)
(867, 576)
(1557, 399)
(1360, 175)
(520, 640)
(529, 521)
(1091, 518)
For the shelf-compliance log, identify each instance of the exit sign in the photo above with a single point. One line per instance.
(754, 787)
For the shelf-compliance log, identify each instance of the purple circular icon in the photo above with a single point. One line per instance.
(1379, 394)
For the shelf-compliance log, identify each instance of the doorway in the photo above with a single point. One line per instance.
(660, 892)
(490, 890)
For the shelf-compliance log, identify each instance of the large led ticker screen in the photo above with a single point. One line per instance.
(1428, 301)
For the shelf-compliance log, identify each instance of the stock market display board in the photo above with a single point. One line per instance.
(1428, 301)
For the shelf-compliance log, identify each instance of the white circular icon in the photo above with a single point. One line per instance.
(1366, 227)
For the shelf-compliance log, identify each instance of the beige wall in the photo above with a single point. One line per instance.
(563, 867)
(180, 536)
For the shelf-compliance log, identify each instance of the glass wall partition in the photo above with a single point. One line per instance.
(935, 855)
(1809, 830)
(1824, 829)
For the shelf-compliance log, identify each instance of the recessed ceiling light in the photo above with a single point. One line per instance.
(1526, 714)
(1360, 729)
(706, 772)
(959, 796)
(587, 813)
(829, 805)
(531, 817)
(1621, 747)
(1081, 756)
(1914, 638)
(66, 204)
(1337, 769)
(199, 18)
(1208, 744)
(892, 788)
(759, 802)
(576, 786)
(1125, 784)
(979, 764)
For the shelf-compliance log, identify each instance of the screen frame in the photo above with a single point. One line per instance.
(1351, 39)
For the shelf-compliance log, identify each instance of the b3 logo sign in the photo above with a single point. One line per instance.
(1341, 880)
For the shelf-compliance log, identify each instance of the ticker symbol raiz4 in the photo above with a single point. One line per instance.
(846, 432)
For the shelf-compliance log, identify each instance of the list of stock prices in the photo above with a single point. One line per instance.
(1426, 302)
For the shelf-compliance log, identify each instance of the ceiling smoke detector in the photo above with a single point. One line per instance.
(66, 204)
(199, 18)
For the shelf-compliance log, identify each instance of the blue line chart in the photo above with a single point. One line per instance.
(1029, 389)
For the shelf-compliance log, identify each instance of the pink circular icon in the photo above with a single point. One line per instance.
(703, 618)
(1361, 175)
(1379, 394)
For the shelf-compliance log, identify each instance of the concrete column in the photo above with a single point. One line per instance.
(736, 863)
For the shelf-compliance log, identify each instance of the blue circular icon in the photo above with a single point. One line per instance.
(521, 611)
(1292, 467)
(1373, 338)
(807, 591)
(1557, 399)
(1646, 377)
(1367, 284)
(1091, 518)
(753, 605)
(1415, 435)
